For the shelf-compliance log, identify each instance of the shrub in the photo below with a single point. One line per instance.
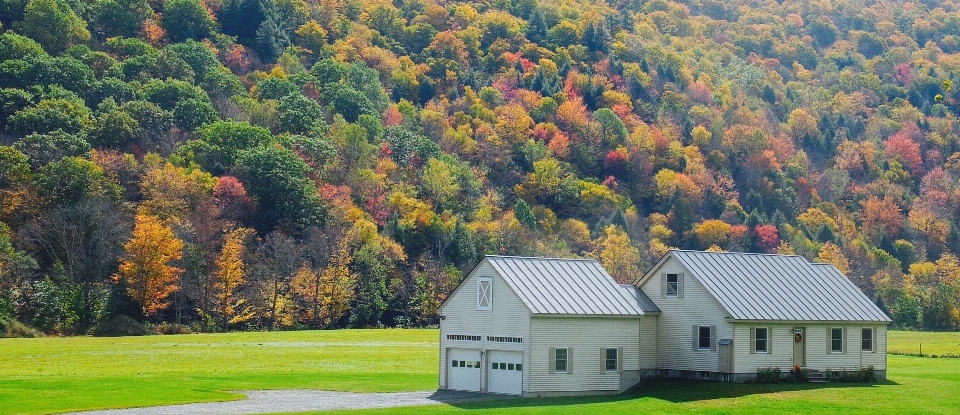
(864, 375)
(121, 326)
(10, 327)
(769, 375)
(799, 375)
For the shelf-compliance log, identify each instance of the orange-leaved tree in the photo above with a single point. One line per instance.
(145, 268)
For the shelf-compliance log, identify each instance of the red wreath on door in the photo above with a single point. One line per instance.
(797, 337)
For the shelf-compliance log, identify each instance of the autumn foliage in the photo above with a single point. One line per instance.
(146, 268)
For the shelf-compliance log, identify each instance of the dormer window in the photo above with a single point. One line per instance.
(484, 293)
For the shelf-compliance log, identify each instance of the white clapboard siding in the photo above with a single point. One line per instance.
(585, 337)
(780, 347)
(679, 314)
(648, 342)
(508, 317)
(853, 357)
(817, 356)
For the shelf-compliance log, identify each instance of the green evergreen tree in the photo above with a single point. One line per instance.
(524, 214)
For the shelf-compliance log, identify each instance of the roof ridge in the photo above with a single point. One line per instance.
(735, 253)
(539, 258)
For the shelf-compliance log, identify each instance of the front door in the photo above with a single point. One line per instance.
(799, 346)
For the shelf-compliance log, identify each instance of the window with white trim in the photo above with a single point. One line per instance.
(611, 359)
(761, 340)
(673, 285)
(484, 293)
(836, 340)
(866, 339)
(703, 337)
(560, 362)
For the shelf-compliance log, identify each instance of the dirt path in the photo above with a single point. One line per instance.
(274, 401)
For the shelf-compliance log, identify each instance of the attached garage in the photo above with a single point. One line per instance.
(463, 369)
(505, 372)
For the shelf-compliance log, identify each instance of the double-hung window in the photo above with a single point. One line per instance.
(866, 339)
(704, 337)
(836, 340)
(673, 285)
(761, 342)
(611, 359)
(560, 360)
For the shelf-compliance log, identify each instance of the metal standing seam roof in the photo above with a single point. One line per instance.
(570, 287)
(779, 287)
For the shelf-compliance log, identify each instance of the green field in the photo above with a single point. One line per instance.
(64, 374)
(912, 342)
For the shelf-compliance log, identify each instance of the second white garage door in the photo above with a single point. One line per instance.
(463, 369)
(505, 372)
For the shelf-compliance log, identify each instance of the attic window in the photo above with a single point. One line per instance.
(484, 293)
(673, 285)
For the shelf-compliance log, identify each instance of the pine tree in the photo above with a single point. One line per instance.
(524, 214)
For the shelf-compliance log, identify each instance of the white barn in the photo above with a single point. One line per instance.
(547, 326)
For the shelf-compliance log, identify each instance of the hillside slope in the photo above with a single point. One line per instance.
(289, 163)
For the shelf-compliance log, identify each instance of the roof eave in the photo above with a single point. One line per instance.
(564, 315)
(737, 320)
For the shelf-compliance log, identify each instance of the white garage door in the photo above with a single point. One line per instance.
(463, 369)
(505, 372)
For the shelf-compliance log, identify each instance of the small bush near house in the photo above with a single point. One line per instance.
(799, 375)
(121, 326)
(10, 327)
(864, 375)
(769, 375)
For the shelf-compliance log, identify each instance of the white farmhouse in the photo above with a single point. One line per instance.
(547, 326)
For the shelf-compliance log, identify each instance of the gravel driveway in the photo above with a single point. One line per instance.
(274, 401)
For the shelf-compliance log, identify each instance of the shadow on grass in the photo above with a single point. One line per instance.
(670, 390)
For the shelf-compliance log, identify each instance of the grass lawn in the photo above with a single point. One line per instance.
(76, 373)
(64, 374)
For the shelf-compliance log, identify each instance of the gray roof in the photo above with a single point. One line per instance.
(570, 286)
(779, 287)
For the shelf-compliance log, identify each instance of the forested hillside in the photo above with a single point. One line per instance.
(275, 164)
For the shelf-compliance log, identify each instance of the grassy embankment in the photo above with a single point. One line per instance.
(63, 374)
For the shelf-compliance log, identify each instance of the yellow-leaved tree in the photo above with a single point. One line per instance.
(145, 268)
(228, 277)
(619, 256)
(831, 254)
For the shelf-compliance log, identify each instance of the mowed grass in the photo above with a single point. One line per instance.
(66, 374)
(938, 343)
(915, 386)
(51, 375)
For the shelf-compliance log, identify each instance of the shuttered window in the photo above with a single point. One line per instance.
(866, 339)
(560, 360)
(761, 340)
(611, 359)
(836, 340)
(673, 285)
(704, 338)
